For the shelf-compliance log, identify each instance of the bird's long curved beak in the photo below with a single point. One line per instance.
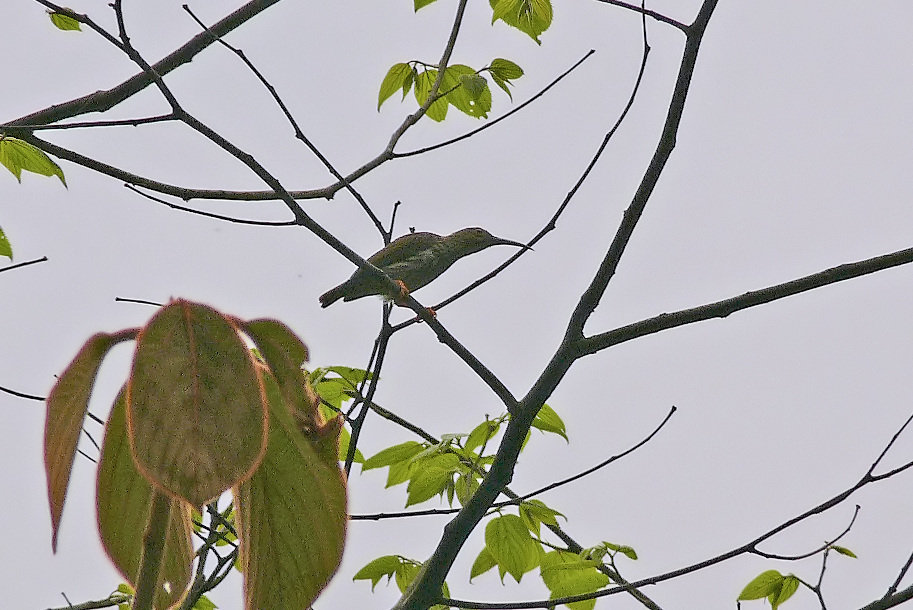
(508, 242)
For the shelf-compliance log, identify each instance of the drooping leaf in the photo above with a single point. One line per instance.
(291, 516)
(844, 551)
(64, 22)
(67, 406)
(195, 403)
(17, 155)
(122, 502)
(511, 545)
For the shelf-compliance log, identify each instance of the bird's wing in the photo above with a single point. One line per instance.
(403, 247)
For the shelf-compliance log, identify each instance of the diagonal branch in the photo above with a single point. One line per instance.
(100, 101)
(723, 308)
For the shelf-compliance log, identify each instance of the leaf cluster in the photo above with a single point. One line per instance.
(201, 413)
(461, 86)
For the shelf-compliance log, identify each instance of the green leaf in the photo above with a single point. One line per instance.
(6, 249)
(532, 17)
(567, 574)
(423, 84)
(194, 377)
(844, 551)
(378, 568)
(484, 562)
(17, 156)
(393, 455)
(67, 406)
(763, 585)
(502, 72)
(788, 586)
(625, 550)
(398, 77)
(505, 69)
(204, 603)
(399, 473)
(430, 477)
(482, 433)
(548, 421)
(511, 545)
(467, 91)
(466, 484)
(122, 500)
(421, 4)
(534, 512)
(291, 514)
(64, 22)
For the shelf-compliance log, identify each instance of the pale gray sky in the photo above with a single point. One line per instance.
(793, 156)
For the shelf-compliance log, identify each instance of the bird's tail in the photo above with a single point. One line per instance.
(331, 296)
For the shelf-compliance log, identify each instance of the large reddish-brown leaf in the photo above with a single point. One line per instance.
(196, 412)
(291, 515)
(67, 405)
(123, 497)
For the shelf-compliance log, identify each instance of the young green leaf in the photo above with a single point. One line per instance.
(505, 69)
(482, 433)
(6, 248)
(502, 72)
(548, 421)
(566, 574)
(392, 455)
(423, 84)
(467, 91)
(844, 551)
(532, 17)
(17, 156)
(430, 477)
(624, 549)
(64, 22)
(398, 77)
(511, 545)
(376, 569)
(763, 585)
(534, 512)
(484, 562)
(421, 4)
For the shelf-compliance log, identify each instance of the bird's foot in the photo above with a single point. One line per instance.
(400, 299)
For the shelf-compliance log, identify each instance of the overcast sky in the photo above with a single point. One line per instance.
(793, 156)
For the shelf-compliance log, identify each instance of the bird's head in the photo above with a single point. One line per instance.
(475, 239)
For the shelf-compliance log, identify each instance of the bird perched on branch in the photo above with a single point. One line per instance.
(413, 261)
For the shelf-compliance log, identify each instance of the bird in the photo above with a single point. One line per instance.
(413, 261)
